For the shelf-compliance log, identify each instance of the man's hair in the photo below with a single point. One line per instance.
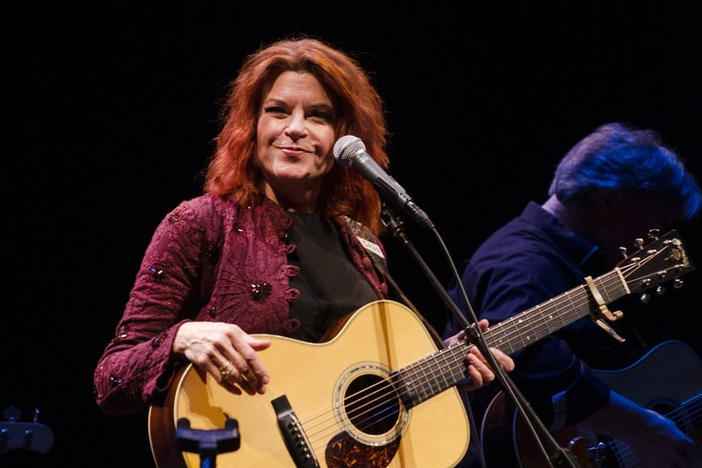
(619, 158)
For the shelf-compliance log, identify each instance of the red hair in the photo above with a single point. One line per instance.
(358, 108)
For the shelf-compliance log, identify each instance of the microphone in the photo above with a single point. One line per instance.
(350, 151)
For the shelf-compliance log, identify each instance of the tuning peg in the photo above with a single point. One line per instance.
(654, 234)
(638, 242)
(645, 298)
(678, 283)
(660, 290)
(12, 414)
(622, 250)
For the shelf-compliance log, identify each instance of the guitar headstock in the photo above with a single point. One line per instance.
(16, 435)
(661, 261)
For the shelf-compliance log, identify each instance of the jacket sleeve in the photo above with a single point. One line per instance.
(138, 363)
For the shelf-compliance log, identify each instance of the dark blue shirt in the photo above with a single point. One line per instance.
(530, 260)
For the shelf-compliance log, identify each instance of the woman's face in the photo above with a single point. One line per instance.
(294, 139)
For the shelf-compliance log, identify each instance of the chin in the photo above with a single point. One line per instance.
(302, 177)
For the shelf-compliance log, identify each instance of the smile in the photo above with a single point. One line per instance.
(294, 150)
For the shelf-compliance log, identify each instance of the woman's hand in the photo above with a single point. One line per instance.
(225, 351)
(478, 369)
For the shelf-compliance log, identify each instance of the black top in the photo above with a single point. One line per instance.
(330, 285)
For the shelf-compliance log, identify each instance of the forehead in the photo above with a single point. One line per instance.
(294, 86)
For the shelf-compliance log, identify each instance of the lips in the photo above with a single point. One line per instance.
(294, 150)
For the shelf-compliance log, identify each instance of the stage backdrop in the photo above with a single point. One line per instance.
(116, 107)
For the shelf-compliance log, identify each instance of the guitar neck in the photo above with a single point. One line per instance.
(688, 417)
(432, 375)
(531, 325)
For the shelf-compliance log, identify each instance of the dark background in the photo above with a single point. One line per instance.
(115, 108)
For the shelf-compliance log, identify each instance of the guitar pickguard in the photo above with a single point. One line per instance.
(344, 451)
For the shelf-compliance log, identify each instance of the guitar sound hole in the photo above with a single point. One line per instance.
(662, 408)
(371, 404)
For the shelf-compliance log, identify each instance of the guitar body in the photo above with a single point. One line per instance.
(663, 378)
(315, 378)
(667, 378)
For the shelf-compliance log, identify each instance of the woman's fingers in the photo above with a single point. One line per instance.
(479, 370)
(480, 374)
(226, 352)
(504, 360)
(483, 324)
(250, 372)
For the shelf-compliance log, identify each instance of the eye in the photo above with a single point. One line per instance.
(274, 110)
(322, 116)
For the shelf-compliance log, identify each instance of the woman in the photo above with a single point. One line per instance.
(250, 256)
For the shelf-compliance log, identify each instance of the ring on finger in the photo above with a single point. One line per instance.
(225, 371)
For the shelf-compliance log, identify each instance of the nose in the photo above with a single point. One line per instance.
(296, 127)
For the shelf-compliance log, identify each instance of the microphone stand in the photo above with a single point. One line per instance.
(559, 456)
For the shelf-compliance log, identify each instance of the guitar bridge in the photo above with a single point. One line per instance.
(295, 439)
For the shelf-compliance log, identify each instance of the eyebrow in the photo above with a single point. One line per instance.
(317, 106)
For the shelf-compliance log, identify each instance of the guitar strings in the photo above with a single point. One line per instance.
(371, 421)
(542, 318)
(543, 313)
(503, 326)
(607, 283)
(389, 394)
(506, 326)
(433, 372)
(324, 434)
(681, 414)
(384, 385)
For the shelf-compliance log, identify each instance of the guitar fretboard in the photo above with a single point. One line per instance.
(688, 417)
(432, 375)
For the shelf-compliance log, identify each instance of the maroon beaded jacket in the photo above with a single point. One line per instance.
(209, 259)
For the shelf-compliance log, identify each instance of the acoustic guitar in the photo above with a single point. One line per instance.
(379, 393)
(668, 379)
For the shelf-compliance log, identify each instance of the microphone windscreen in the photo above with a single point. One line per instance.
(346, 147)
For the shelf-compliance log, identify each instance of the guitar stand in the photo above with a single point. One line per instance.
(208, 443)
